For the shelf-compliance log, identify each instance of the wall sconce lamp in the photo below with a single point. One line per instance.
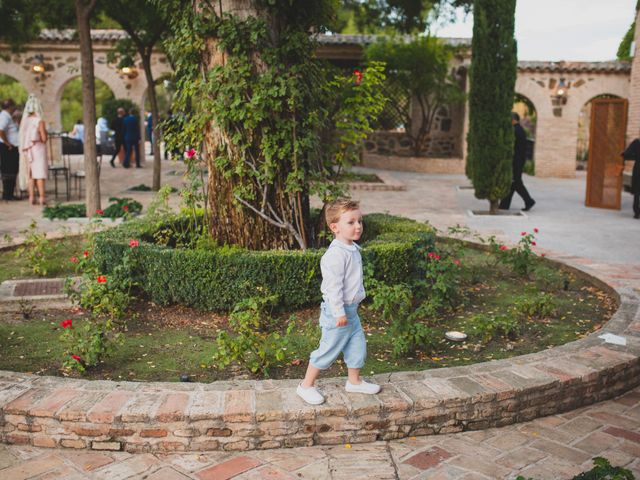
(38, 66)
(561, 92)
(129, 71)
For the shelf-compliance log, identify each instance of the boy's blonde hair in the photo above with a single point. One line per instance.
(338, 207)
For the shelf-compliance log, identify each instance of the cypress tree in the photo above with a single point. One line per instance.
(493, 78)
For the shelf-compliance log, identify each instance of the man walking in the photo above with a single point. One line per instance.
(519, 158)
(9, 154)
(118, 128)
(131, 138)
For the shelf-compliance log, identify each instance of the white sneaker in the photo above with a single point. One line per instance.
(311, 395)
(362, 387)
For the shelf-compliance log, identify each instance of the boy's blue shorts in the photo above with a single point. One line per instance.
(348, 339)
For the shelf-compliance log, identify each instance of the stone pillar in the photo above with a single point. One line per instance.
(633, 123)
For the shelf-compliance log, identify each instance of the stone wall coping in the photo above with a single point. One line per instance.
(252, 414)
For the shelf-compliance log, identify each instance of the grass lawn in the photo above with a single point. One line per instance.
(14, 265)
(161, 343)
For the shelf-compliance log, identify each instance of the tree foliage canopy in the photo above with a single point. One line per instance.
(419, 67)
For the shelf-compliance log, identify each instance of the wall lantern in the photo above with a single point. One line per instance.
(129, 71)
(561, 92)
(38, 66)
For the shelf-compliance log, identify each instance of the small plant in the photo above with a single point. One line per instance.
(406, 332)
(540, 305)
(106, 299)
(26, 308)
(521, 257)
(70, 210)
(487, 327)
(602, 470)
(36, 249)
(254, 345)
(88, 344)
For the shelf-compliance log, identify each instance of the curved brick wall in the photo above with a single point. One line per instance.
(141, 417)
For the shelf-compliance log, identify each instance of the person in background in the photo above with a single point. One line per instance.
(633, 153)
(131, 138)
(519, 159)
(33, 145)
(78, 131)
(9, 156)
(149, 129)
(118, 134)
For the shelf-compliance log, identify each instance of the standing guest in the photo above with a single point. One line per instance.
(131, 138)
(33, 143)
(9, 155)
(118, 127)
(519, 158)
(633, 153)
(149, 127)
(15, 139)
(78, 131)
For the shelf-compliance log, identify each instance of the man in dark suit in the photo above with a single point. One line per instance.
(519, 158)
(118, 128)
(633, 153)
(131, 138)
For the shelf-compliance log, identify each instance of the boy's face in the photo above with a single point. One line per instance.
(349, 226)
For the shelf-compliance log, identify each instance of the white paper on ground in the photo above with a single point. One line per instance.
(614, 339)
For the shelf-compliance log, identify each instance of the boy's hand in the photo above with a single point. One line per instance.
(341, 321)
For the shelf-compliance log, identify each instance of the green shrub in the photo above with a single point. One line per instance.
(254, 342)
(36, 249)
(119, 207)
(217, 278)
(487, 327)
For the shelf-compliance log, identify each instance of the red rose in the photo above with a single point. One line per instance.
(431, 255)
(126, 208)
(99, 212)
(358, 75)
(437, 257)
(542, 255)
(535, 230)
(85, 253)
(66, 323)
(133, 243)
(457, 262)
(533, 243)
(523, 233)
(76, 358)
(504, 248)
(191, 152)
(101, 279)
(74, 259)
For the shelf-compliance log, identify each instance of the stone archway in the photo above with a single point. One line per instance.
(11, 87)
(61, 92)
(524, 107)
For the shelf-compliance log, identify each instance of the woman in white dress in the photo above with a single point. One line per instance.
(33, 146)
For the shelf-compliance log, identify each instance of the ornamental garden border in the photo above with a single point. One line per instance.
(244, 415)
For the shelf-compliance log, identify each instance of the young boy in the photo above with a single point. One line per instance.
(342, 290)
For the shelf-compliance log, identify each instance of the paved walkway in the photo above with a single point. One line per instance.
(552, 447)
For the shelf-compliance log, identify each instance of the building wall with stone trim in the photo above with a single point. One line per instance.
(633, 122)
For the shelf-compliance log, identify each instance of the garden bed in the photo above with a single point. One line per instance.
(163, 342)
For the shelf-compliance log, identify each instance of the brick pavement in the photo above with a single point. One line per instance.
(552, 447)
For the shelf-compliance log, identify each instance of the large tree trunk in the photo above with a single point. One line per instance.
(153, 99)
(84, 10)
(232, 220)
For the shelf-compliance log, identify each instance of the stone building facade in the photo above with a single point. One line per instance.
(444, 151)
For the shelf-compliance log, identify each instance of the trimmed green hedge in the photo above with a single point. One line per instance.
(216, 279)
